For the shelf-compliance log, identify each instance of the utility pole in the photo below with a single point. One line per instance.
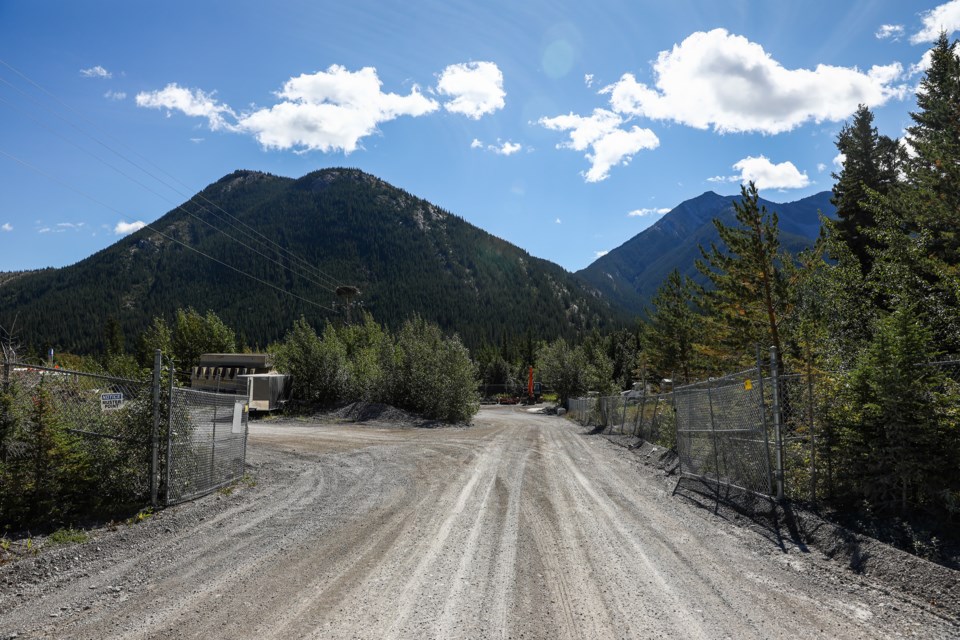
(347, 293)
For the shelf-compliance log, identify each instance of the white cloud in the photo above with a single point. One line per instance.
(889, 31)
(821, 167)
(641, 213)
(945, 17)
(923, 65)
(197, 140)
(907, 146)
(6, 227)
(600, 254)
(503, 148)
(331, 110)
(115, 95)
(328, 110)
(476, 88)
(44, 230)
(838, 160)
(126, 228)
(601, 133)
(95, 72)
(557, 221)
(588, 79)
(63, 226)
(767, 175)
(716, 79)
(191, 102)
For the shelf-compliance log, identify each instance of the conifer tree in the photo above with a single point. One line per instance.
(871, 164)
(675, 326)
(749, 276)
(918, 222)
(934, 170)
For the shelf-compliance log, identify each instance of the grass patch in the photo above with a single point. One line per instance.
(247, 481)
(68, 536)
(143, 514)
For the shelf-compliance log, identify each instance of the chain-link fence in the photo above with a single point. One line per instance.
(207, 443)
(74, 428)
(75, 443)
(781, 435)
(655, 420)
(722, 436)
(648, 416)
(582, 410)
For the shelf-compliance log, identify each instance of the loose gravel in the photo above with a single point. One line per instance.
(520, 526)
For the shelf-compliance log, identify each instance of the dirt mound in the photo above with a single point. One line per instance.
(378, 414)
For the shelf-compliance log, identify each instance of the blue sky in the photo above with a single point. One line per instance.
(563, 127)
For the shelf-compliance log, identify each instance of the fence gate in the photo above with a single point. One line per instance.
(206, 444)
(722, 432)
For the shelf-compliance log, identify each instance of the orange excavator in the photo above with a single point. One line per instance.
(533, 389)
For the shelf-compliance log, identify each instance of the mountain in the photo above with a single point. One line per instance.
(631, 274)
(405, 255)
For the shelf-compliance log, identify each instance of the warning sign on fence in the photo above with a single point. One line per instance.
(110, 401)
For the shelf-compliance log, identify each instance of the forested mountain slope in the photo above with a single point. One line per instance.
(406, 256)
(631, 273)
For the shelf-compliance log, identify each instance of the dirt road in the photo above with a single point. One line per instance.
(518, 527)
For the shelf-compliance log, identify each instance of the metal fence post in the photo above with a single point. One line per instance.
(213, 442)
(713, 432)
(813, 437)
(638, 427)
(155, 433)
(169, 465)
(778, 439)
(763, 421)
(623, 420)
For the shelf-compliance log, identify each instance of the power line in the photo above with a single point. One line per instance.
(158, 194)
(157, 231)
(331, 283)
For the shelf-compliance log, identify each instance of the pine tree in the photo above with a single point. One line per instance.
(934, 170)
(871, 164)
(918, 222)
(749, 276)
(675, 326)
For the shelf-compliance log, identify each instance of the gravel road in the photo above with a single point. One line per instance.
(520, 526)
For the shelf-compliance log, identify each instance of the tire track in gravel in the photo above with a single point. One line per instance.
(712, 585)
(325, 595)
(183, 546)
(608, 557)
(520, 526)
(219, 556)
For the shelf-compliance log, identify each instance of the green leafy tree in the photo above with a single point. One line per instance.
(156, 336)
(195, 334)
(316, 365)
(363, 347)
(564, 369)
(192, 335)
(433, 374)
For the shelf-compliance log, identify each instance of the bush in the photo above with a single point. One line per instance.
(898, 442)
(420, 370)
